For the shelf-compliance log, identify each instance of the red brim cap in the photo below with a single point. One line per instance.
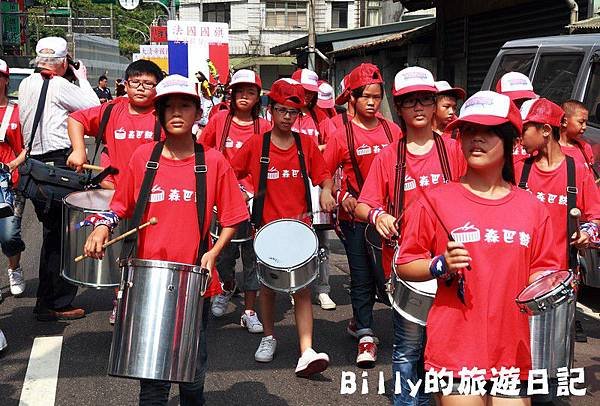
(326, 104)
(413, 89)
(343, 98)
(489, 121)
(310, 88)
(521, 94)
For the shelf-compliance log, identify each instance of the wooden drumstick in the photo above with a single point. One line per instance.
(576, 214)
(151, 222)
(93, 167)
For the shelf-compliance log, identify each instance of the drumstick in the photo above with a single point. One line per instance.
(93, 167)
(576, 214)
(151, 222)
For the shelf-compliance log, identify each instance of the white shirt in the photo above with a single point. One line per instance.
(63, 98)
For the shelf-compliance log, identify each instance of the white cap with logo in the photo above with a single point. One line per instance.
(175, 84)
(51, 47)
(4, 67)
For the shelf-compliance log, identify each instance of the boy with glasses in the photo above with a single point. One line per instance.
(284, 197)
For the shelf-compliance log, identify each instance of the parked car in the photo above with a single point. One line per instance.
(16, 76)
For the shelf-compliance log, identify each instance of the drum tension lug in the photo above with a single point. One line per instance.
(322, 254)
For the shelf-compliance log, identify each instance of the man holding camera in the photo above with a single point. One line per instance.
(51, 145)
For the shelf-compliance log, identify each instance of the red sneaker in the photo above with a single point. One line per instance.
(367, 355)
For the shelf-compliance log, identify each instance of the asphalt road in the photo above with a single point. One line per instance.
(234, 378)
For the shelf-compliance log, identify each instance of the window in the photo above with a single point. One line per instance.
(373, 15)
(339, 15)
(592, 95)
(556, 74)
(286, 14)
(513, 63)
(216, 12)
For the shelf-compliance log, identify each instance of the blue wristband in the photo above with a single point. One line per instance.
(439, 267)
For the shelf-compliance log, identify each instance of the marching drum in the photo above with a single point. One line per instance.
(550, 303)
(91, 273)
(322, 220)
(412, 300)
(159, 315)
(244, 232)
(287, 252)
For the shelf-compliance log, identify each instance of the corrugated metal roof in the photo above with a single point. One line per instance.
(382, 42)
(586, 25)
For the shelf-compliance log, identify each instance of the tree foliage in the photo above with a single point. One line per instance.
(123, 20)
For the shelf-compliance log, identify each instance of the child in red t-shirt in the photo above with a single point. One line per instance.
(430, 160)
(227, 131)
(572, 129)
(353, 147)
(466, 235)
(284, 197)
(445, 107)
(177, 235)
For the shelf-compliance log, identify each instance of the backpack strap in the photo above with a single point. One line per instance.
(10, 107)
(38, 112)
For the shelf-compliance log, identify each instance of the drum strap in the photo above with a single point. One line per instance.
(200, 170)
(313, 115)
(6, 120)
(443, 155)
(571, 201)
(102, 128)
(587, 159)
(225, 133)
(398, 204)
(258, 204)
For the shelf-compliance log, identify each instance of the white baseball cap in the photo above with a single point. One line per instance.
(176, 84)
(51, 47)
(413, 79)
(516, 86)
(4, 67)
(444, 88)
(325, 100)
(245, 76)
(308, 79)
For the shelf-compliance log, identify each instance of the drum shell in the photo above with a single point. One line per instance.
(551, 337)
(590, 261)
(159, 316)
(289, 280)
(91, 273)
(321, 219)
(411, 304)
(244, 231)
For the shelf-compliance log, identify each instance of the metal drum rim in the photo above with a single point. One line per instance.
(421, 292)
(286, 268)
(557, 289)
(291, 291)
(155, 263)
(68, 205)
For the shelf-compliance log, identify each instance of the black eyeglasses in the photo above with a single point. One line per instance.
(283, 111)
(134, 83)
(424, 101)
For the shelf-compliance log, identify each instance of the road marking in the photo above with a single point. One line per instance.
(587, 311)
(39, 387)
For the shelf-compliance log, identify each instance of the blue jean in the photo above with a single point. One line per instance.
(10, 236)
(322, 284)
(156, 393)
(226, 264)
(407, 359)
(362, 276)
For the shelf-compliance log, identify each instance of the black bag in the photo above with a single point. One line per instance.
(47, 184)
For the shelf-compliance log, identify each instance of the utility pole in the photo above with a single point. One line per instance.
(112, 23)
(312, 36)
(172, 11)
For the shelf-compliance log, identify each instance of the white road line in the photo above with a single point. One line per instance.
(39, 387)
(588, 312)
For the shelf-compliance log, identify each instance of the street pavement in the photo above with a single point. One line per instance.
(234, 378)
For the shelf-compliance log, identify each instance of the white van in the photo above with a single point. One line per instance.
(16, 76)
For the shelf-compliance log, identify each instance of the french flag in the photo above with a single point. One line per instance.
(193, 43)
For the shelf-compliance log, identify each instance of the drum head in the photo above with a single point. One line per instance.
(98, 199)
(285, 244)
(544, 285)
(426, 287)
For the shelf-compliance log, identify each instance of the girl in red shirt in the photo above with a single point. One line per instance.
(177, 235)
(227, 131)
(431, 160)
(466, 235)
(353, 148)
(284, 197)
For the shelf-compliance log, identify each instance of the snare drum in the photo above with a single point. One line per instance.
(322, 220)
(91, 273)
(287, 253)
(412, 300)
(244, 232)
(550, 303)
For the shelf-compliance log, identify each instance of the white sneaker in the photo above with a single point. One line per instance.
(3, 342)
(266, 349)
(220, 302)
(311, 363)
(251, 322)
(17, 282)
(326, 302)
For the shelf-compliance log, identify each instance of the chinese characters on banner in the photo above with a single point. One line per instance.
(192, 43)
(158, 34)
(159, 54)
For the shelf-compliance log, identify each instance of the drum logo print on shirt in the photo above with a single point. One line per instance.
(470, 233)
(409, 183)
(121, 134)
(157, 194)
(466, 233)
(274, 173)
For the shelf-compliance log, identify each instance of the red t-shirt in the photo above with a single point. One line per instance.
(550, 188)
(124, 131)
(306, 125)
(13, 141)
(285, 192)
(367, 144)
(172, 201)
(575, 152)
(212, 136)
(489, 331)
(422, 171)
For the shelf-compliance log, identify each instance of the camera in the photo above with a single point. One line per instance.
(71, 62)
